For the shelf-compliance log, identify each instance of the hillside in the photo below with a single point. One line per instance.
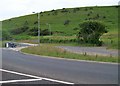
(64, 21)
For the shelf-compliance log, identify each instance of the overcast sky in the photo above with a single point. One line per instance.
(15, 8)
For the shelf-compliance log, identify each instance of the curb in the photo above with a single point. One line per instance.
(69, 59)
(19, 50)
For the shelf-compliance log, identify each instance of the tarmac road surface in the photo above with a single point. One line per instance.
(61, 70)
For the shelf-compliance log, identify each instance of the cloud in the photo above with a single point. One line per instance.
(12, 8)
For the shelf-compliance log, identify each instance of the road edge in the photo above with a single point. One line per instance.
(68, 59)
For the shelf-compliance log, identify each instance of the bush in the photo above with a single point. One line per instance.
(36, 22)
(91, 31)
(6, 35)
(75, 28)
(66, 22)
(64, 10)
(33, 31)
(19, 30)
(45, 32)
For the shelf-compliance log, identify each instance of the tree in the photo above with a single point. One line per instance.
(91, 31)
(33, 31)
(20, 30)
(6, 35)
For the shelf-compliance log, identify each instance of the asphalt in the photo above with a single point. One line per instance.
(10, 76)
(77, 72)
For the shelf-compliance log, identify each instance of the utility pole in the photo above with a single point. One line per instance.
(38, 17)
(38, 29)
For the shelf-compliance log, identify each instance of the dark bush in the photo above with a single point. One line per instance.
(19, 30)
(98, 15)
(64, 10)
(55, 12)
(6, 35)
(91, 31)
(66, 22)
(41, 12)
(35, 22)
(45, 32)
(91, 8)
(25, 23)
(33, 31)
(77, 9)
(116, 6)
(86, 9)
(48, 14)
(52, 10)
(9, 19)
(75, 28)
(88, 14)
(104, 17)
(74, 10)
(91, 12)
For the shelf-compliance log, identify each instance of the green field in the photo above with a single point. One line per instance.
(56, 18)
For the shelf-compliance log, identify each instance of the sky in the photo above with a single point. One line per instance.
(15, 8)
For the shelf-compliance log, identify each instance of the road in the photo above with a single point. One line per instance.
(77, 72)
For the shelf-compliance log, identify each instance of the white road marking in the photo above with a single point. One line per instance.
(23, 80)
(20, 74)
(38, 78)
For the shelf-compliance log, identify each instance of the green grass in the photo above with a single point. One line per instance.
(110, 40)
(57, 22)
(50, 50)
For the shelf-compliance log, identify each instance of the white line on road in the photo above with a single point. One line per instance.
(38, 78)
(23, 80)
(20, 74)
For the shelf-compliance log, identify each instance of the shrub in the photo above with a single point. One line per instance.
(41, 12)
(86, 9)
(9, 19)
(75, 28)
(19, 30)
(33, 31)
(66, 22)
(64, 10)
(104, 17)
(52, 10)
(48, 14)
(88, 14)
(74, 10)
(45, 32)
(6, 35)
(35, 22)
(91, 31)
(55, 12)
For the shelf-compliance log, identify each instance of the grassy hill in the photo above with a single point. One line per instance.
(73, 16)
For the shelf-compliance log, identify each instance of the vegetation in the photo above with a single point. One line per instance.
(65, 22)
(6, 35)
(49, 50)
(19, 30)
(91, 31)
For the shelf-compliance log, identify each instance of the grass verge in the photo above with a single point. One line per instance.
(50, 50)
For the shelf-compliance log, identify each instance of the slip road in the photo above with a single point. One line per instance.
(70, 71)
